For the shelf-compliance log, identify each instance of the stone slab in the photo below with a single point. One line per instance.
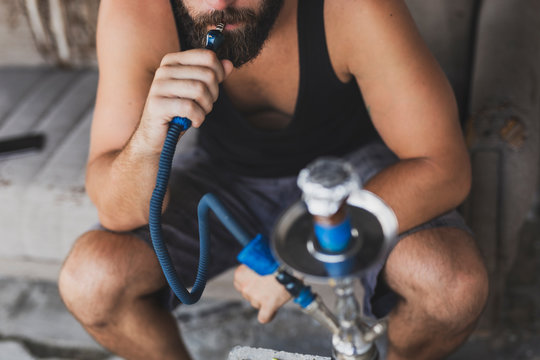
(249, 353)
(11, 350)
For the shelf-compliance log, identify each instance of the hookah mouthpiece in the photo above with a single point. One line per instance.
(214, 38)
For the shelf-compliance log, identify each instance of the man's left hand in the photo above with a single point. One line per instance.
(263, 292)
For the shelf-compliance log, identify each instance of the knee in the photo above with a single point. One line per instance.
(459, 296)
(89, 282)
(441, 276)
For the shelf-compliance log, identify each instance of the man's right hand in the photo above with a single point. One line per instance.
(186, 84)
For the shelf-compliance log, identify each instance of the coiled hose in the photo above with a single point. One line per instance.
(214, 39)
(208, 202)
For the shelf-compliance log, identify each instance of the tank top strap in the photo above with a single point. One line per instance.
(312, 45)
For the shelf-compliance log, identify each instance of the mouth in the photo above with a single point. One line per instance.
(232, 26)
(228, 27)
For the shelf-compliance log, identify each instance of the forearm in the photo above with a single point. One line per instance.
(120, 184)
(421, 189)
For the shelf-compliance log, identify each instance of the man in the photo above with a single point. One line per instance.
(283, 91)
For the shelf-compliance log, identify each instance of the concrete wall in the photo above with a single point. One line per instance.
(54, 32)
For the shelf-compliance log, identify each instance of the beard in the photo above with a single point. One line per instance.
(241, 44)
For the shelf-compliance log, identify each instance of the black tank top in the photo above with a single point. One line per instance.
(330, 117)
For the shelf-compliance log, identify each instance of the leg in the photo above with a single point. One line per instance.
(442, 282)
(109, 282)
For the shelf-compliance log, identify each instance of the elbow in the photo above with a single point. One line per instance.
(463, 186)
(118, 223)
(115, 217)
(460, 181)
(110, 223)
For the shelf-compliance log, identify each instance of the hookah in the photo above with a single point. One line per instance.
(333, 236)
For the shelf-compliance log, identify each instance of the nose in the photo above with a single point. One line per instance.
(219, 4)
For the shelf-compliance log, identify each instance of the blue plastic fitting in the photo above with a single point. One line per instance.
(257, 256)
(336, 238)
(305, 298)
(184, 122)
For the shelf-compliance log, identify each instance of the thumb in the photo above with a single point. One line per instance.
(266, 314)
(227, 67)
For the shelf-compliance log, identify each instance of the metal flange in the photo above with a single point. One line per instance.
(374, 229)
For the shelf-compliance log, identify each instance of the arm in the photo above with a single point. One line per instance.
(143, 83)
(412, 107)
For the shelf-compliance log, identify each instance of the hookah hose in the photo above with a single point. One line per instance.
(256, 252)
(214, 39)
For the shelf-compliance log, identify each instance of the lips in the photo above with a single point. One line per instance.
(232, 26)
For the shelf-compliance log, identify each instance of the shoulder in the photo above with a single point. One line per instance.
(142, 30)
(349, 16)
(359, 30)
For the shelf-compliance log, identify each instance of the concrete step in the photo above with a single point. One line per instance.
(45, 207)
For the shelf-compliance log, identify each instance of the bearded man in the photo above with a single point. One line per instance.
(295, 80)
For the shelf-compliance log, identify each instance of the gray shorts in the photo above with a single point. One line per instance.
(256, 203)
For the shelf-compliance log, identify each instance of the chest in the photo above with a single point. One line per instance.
(265, 90)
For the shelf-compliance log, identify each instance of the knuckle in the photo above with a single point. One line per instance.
(239, 272)
(165, 59)
(192, 108)
(157, 84)
(160, 72)
(208, 57)
(168, 58)
(211, 76)
(199, 89)
(197, 119)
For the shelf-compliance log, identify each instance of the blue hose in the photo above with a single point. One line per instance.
(214, 39)
(154, 221)
(208, 202)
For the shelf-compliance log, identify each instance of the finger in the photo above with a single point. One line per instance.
(200, 73)
(227, 67)
(168, 108)
(266, 314)
(199, 57)
(255, 303)
(186, 89)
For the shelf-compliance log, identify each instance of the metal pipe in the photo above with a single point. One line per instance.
(320, 312)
